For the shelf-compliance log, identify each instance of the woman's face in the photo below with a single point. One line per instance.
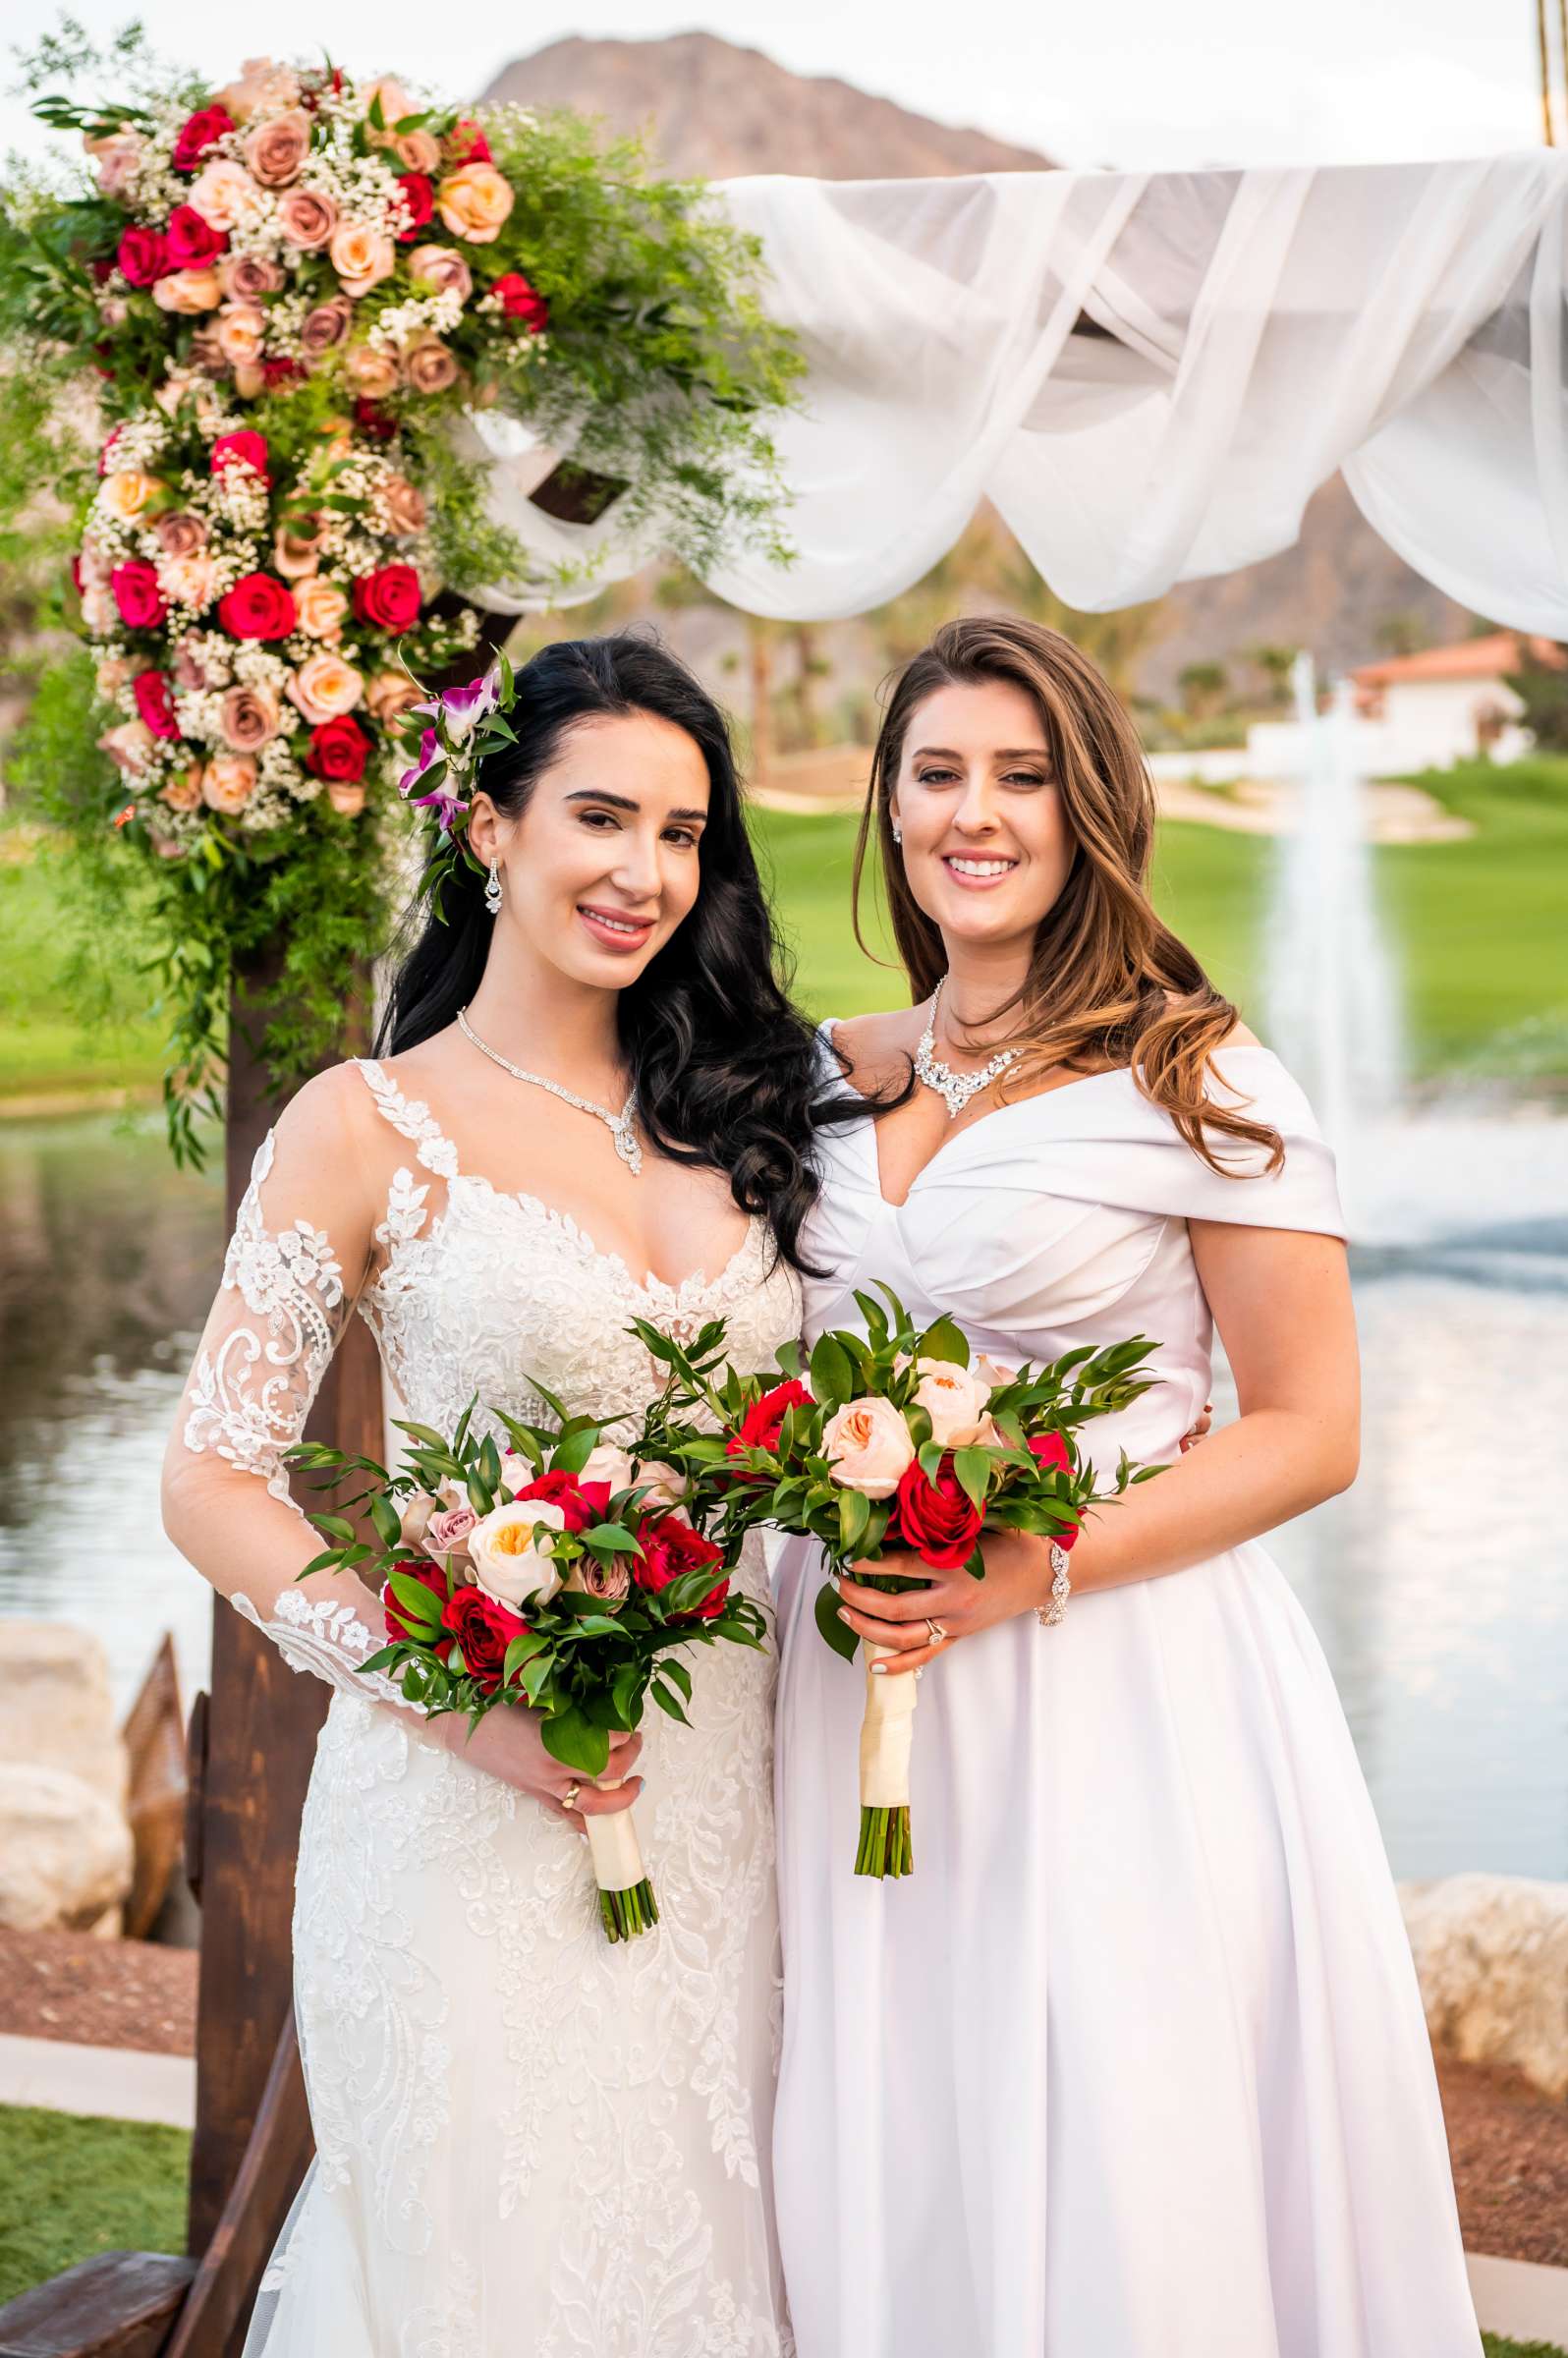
(601, 865)
(986, 847)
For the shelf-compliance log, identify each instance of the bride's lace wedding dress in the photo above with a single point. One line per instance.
(528, 2141)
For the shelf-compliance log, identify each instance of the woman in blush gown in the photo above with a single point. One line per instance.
(1135, 2066)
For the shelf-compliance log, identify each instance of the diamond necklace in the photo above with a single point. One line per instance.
(619, 1125)
(954, 1088)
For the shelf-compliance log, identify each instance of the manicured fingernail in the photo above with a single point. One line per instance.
(843, 1613)
(879, 1670)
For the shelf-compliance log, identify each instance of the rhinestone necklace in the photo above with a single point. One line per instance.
(619, 1125)
(954, 1088)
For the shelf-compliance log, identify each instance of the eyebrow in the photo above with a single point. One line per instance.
(1008, 753)
(624, 802)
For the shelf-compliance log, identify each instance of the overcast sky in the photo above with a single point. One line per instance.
(1119, 82)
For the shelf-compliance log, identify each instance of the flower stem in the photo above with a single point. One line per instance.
(626, 1914)
(885, 1848)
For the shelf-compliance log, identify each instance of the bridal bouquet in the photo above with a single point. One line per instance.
(894, 1439)
(557, 1574)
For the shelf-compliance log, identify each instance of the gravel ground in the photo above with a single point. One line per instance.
(1509, 2143)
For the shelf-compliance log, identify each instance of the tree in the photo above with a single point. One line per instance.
(1203, 688)
(1542, 685)
(1274, 663)
(1402, 634)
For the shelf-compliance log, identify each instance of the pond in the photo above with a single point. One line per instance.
(1437, 1585)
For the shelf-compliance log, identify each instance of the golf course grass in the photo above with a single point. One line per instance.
(1479, 930)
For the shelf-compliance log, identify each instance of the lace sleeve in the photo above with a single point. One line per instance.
(278, 1317)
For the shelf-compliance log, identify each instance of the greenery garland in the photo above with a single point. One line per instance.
(242, 353)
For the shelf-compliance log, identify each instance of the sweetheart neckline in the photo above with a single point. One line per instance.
(651, 1286)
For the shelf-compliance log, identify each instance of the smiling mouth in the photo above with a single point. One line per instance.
(976, 871)
(632, 931)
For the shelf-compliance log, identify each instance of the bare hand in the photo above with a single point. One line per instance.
(508, 1744)
(1204, 1424)
(1018, 1578)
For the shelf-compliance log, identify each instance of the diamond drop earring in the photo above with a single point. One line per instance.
(492, 889)
(898, 832)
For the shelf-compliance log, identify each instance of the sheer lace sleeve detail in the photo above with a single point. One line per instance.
(413, 1118)
(252, 1389)
(324, 1637)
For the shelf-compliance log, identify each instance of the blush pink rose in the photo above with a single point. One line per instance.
(326, 326)
(345, 797)
(428, 366)
(402, 507)
(447, 1531)
(191, 582)
(224, 194)
(389, 695)
(360, 255)
(322, 607)
(372, 374)
(228, 782)
(325, 686)
(128, 746)
(246, 276)
(441, 268)
(241, 331)
(249, 717)
(261, 83)
(179, 533)
(307, 218)
(954, 1400)
(275, 149)
(868, 1446)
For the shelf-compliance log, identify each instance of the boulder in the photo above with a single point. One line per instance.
(66, 1852)
(56, 1711)
(1491, 1955)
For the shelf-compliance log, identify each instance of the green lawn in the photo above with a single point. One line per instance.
(71, 2187)
(1480, 930)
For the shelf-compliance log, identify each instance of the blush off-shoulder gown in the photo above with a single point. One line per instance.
(1135, 2065)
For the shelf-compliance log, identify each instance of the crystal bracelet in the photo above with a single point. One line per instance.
(1061, 1588)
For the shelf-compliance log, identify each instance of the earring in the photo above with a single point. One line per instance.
(898, 832)
(492, 889)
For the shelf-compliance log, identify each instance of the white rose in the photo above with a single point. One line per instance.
(994, 1373)
(605, 1463)
(867, 1445)
(664, 1486)
(954, 1399)
(509, 1562)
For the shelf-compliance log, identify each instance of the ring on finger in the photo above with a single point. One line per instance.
(569, 1797)
(938, 1633)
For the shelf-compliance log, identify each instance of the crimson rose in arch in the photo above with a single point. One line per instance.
(937, 1519)
(580, 1502)
(483, 1631)
(763, 1421)
(670, 1550)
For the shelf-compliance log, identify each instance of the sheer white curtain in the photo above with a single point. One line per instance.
(1403, 323)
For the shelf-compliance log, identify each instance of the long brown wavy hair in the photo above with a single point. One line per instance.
(1109, 984)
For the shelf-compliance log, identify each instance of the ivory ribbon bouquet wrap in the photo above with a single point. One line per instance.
(891, 1439)
(557, 1574)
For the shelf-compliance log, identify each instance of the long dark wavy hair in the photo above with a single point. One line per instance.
(725, 1067)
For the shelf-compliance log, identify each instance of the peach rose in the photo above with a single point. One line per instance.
(666, 1489)
(321, 607)
(249, 718)
(473, 202)
(182, 792)
(395, 104)
(241, 331)
(325, 686)
(955, 1401)
(325, 326)
(127, 492)
(994, 1373)
(179, 533)
(439, 267)
(250, 379)
(307, 218)
(428, 366)
(510, 1551)
(188, 292)
(261, 83)
(604, 1463)
(275, 149)
(417, 150)
(297, 547)
(868, 1446)
(112, 673)
(360, 255)
(224, 194)
(372, 374)
(389, 695)
(228, 782)
(246, 276)
(403, 507)
(190, 580)
(347, 797)
(128, 745)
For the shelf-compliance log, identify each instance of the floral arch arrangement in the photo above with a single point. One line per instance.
(246, 351)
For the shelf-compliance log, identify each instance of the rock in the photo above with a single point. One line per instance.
(55, 1707)
(65, 1852)
(1491, 1955)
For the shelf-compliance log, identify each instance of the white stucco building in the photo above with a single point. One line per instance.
(1447, 703)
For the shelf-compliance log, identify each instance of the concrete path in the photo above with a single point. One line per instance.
(119, 2083)
(1519, 2299)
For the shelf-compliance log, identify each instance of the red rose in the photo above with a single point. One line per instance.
(258, 608)
(137, 595)
(339, 749)
(671, 1547)
(154, 703)
(278, 369)
(429, 1576)
(483, 1631)
(142, 254)
(389, 598)
(191, 240)
(1050, 1451)
(418, 195)
(246, 448)
(521, 300)
(468, 144)
(937, 1519)
(580, 1502)
(198, 133)
(373, 418)
(760, 1425)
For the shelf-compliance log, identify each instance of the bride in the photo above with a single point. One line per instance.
(525, 2136)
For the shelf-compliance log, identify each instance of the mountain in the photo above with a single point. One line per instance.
(714, 110)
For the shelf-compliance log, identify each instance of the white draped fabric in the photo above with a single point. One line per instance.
(1258, 330)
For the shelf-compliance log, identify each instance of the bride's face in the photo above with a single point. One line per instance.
(986, 847)
(601, 865)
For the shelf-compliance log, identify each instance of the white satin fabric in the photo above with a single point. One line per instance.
(1135, 2066)
(1402, 322)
